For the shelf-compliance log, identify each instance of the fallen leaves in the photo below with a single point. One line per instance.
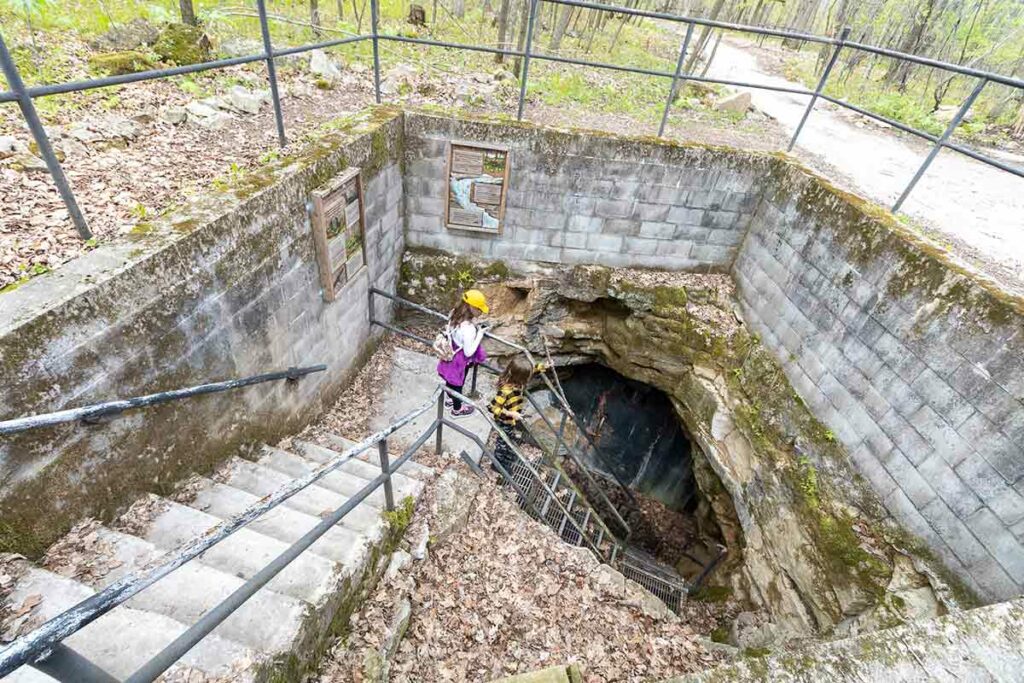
(505, 596)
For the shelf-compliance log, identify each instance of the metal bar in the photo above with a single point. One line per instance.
(440, 428)
(675, 79)
(746, 28)
(554, 487)
(843, 35)
(319, 46)
(28, 111)
(42, 639)
(99, 410)
(526, 60)
(568, 511)
(878, 117)
(950, 129)
(458, 46)
(697, 582)
(389, 494)
(64, 664)
(166, 658)
(268, 50)
(966, 151)
(945, 66)
(472, 386)
(376, 49)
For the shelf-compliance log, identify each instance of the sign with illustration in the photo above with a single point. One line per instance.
(338, 221)
(477, 182)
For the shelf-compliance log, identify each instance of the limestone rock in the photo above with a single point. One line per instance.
(453, 498)
(9, 146)
(399, 561)
(135, 34)
(738, 103)
(419, 544)
(399, 80)
(247, 100)
(122, 62)
(182, 44)
(323, 66)
(747, 631)
(28, 163)
(650, 606)
(240, 47)
(207, 116)
(174, 115)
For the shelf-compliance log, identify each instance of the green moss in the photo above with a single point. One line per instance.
(120, 63)
(756, 652)
(720, 634)
(182, 44)
(141, 231)
(714, 594)
(399, 518)
(323, 84)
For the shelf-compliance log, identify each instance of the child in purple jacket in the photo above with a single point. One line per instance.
(465, 337)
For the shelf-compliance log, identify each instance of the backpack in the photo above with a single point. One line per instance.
(442, 345)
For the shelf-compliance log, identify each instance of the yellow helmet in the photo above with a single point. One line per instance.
(476, 299)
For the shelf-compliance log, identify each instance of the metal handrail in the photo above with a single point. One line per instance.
(96, 411)
(37, 643)
(24, 95)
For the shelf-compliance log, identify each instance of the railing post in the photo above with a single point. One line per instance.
(941, 142)
(843, 35)
(385, 467)
(35, 126)
(374, 13)
(268, 50)
(526, 60)
(440, 421)
(675, 79)
(472, 386)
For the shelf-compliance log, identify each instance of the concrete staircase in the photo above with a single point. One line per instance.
(281, 630)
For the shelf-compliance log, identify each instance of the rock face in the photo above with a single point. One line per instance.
(806, 543)
(323, 66)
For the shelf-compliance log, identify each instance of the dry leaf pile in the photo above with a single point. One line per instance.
(81, 554)
(505, 595)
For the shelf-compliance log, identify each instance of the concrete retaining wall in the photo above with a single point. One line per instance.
(581, 197)
(230, 290)
(915, 365)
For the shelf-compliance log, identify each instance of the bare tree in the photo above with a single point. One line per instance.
(503, 14)
(188, 13)
(314, 17)
(561, 24)
(524, 22)
(705, 35)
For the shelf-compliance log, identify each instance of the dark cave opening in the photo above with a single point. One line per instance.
(642, 447)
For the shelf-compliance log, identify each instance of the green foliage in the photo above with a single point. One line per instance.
(182, 44)
(399, 518)
(118, 63)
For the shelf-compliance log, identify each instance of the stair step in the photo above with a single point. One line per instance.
(294, 466)
(360, 468)
(312, 500)
(340, 543)
(190, 591)
(340, 444)
(125, 638)
(26, 674)
(243, 553)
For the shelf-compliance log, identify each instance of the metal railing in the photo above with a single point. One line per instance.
(92, 414)
(24, 95)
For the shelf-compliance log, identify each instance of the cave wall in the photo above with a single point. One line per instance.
(223, 288)
(913, 362)
(583, 197)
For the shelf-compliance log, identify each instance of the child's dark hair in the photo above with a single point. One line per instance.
(518, 372)
(461, 313)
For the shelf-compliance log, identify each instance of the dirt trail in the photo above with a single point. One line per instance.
(977, 208)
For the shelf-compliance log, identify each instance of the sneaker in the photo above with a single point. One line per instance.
(464, 411)
(448, 401)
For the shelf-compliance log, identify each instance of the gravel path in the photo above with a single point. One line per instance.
(976, 208)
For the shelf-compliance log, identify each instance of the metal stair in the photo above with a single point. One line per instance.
(284, 618)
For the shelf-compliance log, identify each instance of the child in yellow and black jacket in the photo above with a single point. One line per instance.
(507, 407)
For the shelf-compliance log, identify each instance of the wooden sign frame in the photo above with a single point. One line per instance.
(332, 213)
(451, 149)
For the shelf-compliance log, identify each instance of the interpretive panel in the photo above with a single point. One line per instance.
(338, 231)
(477, 183)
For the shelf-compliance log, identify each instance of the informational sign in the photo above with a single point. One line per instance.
(477, 183)
(338, 233)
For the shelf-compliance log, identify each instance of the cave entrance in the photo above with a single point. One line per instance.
(644, 464)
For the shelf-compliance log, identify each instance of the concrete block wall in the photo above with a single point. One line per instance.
(580, 198)
(227, 290)
(914, 364)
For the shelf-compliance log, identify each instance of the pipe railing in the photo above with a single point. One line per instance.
(23, 95)
(93, 413)
(36, 645)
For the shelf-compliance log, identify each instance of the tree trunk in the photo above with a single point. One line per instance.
(705, 35)
(802, 22)
(503, 13)
(524, 22)
(341, 10)
(460, 8)
(914, 42)
(314, 17)
(188, 13)
(560, 26)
